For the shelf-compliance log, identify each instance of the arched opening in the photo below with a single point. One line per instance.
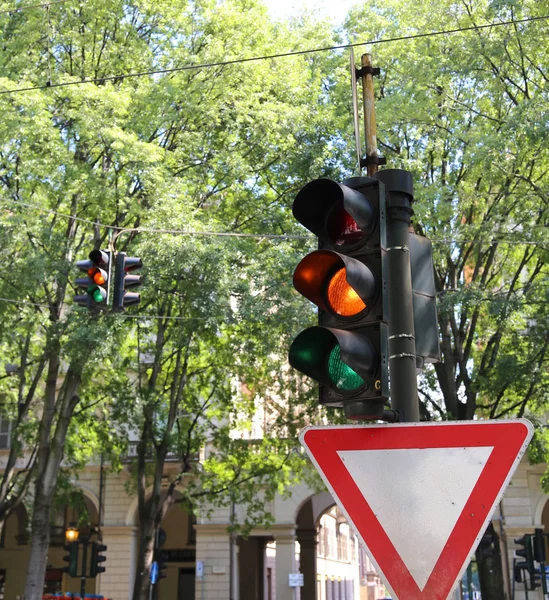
(343, 567)
(545, 517)
(175, 549)
(331, 558)
(78, 511)
(14, 553)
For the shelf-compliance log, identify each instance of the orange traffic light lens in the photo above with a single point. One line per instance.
(342, 298)
(98, 278)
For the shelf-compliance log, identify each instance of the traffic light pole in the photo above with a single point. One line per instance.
(402, 349)
(83, 576)
(399, 197)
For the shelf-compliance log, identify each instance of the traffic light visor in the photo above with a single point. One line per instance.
(98, 257)
(336, 283)
(342, 360)
(336, 213)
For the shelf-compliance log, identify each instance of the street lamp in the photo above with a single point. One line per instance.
(71, 533)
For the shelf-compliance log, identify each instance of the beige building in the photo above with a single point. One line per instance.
(309, 536)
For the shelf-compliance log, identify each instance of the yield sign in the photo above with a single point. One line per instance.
(419, 495)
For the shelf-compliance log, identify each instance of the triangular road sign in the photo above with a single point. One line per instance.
(419, 495)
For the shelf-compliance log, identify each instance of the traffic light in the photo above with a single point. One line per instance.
(122, 281)
(525, 552)
(97, 558)
(97, 281)
(346, 279)
(71, 558)
(424, 301)
(539, 545)
(539, 556)
(160, 568)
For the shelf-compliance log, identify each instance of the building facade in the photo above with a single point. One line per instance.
(309, 537)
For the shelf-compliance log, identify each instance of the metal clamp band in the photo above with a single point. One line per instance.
(401, 248)
(402, 335)
(402, 355)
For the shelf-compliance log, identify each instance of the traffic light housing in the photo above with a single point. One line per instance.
(97, 280)
(427, 344)
(122, 280)
(526, 552)
(539, 545)
(346, 279)
(97, 558)
(71, 558)
(161, 565)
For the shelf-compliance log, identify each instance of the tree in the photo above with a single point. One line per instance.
(467, 124)
(464, 113)
(201, 150)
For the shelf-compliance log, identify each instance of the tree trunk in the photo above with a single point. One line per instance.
(40, 542)
(48, 469)
(144, 559)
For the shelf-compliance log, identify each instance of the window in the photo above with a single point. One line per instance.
(5, 432)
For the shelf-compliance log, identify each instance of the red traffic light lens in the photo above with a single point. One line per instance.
(342, 298)
(342, 229)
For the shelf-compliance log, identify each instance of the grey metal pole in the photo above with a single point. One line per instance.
(402, 348)
(83, 576)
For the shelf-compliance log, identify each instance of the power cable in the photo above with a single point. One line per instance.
(260, 236)
(28, 6)
(275, 56)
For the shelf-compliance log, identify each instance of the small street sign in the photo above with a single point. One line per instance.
(199, 569)
(419, 495)
(295, 579)
(154, 572)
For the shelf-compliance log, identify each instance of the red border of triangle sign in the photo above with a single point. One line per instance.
(419, 495)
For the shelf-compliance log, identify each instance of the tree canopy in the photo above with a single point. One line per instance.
(149, 129)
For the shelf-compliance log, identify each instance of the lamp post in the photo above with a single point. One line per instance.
(71, 533)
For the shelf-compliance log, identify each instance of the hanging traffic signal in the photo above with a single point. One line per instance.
(123, 265)
(71, 558)
(346, 279)
(97, 558)
(97, 281)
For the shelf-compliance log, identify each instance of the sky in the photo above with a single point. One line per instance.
(334, 9)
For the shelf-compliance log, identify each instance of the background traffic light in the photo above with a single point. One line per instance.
(526, 552)
(346, 279)
(71, 558)
(97, 280)
(97, 558)
(122, 280)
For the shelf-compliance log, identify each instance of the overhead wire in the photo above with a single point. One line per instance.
(260, 236)
(202, 66)
(244, 60)
(28, 6)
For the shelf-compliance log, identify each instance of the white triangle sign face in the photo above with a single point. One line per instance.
(419, 495)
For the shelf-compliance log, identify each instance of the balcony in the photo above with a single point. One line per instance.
(131, 454)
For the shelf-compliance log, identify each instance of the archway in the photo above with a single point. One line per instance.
(175, 550)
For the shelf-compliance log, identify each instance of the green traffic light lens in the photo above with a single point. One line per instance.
(341, 374)
(97, 295)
